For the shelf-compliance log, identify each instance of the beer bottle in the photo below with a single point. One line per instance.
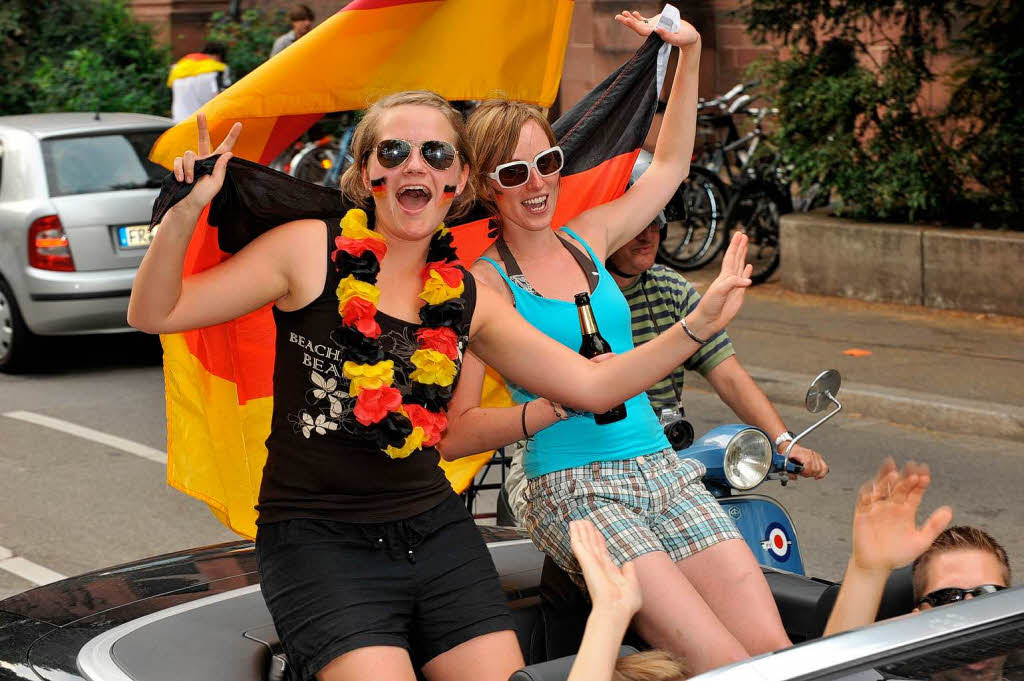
(593, 345)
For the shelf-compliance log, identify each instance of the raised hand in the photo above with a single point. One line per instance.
(724, 296)
(885, 531)
(184, 166)
(612, 590)
(686, 35)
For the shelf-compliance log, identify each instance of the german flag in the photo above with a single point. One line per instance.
(219, 379)
(461, 49)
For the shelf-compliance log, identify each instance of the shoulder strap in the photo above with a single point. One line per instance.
(587, 264)
(515, 273)
(511, 266)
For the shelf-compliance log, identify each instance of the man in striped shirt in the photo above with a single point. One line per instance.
(658, 297)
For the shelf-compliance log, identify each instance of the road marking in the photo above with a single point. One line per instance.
(89, 434)
(26, 569)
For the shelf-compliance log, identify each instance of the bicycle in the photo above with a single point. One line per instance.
(696, 212)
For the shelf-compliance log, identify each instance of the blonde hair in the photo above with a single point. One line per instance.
(365, 139)
(494, 129)
(951, 539)
(653, 665)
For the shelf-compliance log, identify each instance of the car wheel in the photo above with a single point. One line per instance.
(16, 341)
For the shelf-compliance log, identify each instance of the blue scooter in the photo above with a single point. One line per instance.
(739, 457)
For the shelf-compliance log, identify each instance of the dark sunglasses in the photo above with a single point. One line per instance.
(438, 155)
(517, 173)
(953, 594)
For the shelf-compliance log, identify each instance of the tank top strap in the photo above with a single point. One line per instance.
(574, 235)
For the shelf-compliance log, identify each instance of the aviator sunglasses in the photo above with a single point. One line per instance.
(516, 173)
(953, 594)
(437, 154)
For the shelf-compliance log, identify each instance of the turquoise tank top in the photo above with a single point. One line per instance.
(578, 441)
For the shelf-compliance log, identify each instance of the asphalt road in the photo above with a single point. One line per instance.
(71, 503)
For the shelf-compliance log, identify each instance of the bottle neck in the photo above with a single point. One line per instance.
(588, 324)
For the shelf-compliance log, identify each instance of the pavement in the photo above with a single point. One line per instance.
(945, 371)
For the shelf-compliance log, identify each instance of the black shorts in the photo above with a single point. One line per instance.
(425, 584)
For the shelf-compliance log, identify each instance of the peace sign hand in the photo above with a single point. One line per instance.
(184, 166)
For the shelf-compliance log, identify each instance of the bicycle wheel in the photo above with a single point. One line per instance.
(755, 210)
(695, 217)
(315, 164)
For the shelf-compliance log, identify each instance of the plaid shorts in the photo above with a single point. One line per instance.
(643, 504)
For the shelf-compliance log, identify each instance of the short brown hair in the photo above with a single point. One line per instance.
(301, 13)
(653, 665)
(494, 129)
(364, 139)
(953, 538)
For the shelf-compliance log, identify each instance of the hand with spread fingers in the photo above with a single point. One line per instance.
(885, 531)
(724, 296)
(184, 166)
(612, 589)
(685, 36)
(885, 536)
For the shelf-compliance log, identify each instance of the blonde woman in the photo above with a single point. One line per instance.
(370, 565)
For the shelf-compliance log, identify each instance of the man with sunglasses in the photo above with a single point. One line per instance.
(950, 565)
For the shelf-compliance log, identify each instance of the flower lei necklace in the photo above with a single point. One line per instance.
(398, 427)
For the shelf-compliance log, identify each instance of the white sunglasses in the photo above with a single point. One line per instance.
(517, 173)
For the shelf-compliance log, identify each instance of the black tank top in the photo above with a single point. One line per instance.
(316, 467)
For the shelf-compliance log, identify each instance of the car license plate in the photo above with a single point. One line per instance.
(134, 236)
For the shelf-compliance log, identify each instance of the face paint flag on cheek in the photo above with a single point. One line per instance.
(449, 192)
(377, 186)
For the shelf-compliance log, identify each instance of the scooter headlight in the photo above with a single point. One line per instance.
(748, 458)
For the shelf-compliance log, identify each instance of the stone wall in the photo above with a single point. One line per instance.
(959, 269)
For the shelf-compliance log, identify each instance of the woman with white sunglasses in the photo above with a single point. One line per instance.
(704, 595)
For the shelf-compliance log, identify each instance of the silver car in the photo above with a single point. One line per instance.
(76, 193)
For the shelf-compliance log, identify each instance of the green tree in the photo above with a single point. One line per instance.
(850, 111)
(986, 111)
(79, 54)
(249, 39)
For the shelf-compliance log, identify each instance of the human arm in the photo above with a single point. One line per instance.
(738, 390)
(263, 272)
(472, 428)
(885, 537)
(616, 597)
(611, 225)
(504, 340)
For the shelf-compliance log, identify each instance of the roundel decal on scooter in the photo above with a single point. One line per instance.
(777, 541)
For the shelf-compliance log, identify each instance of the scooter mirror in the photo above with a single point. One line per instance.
(824, 386)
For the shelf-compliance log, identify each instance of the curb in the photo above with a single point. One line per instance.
(937, 412)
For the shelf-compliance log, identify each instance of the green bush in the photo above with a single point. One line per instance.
(249, 39)
(986, 111)
(78, 55)
(853, 120)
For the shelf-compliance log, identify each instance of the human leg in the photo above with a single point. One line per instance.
(462, 627)
(732, 584)
(334, 588)
(675, 617)
(490, 657)
(710, 552)
(386, 663)
(615, 497)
